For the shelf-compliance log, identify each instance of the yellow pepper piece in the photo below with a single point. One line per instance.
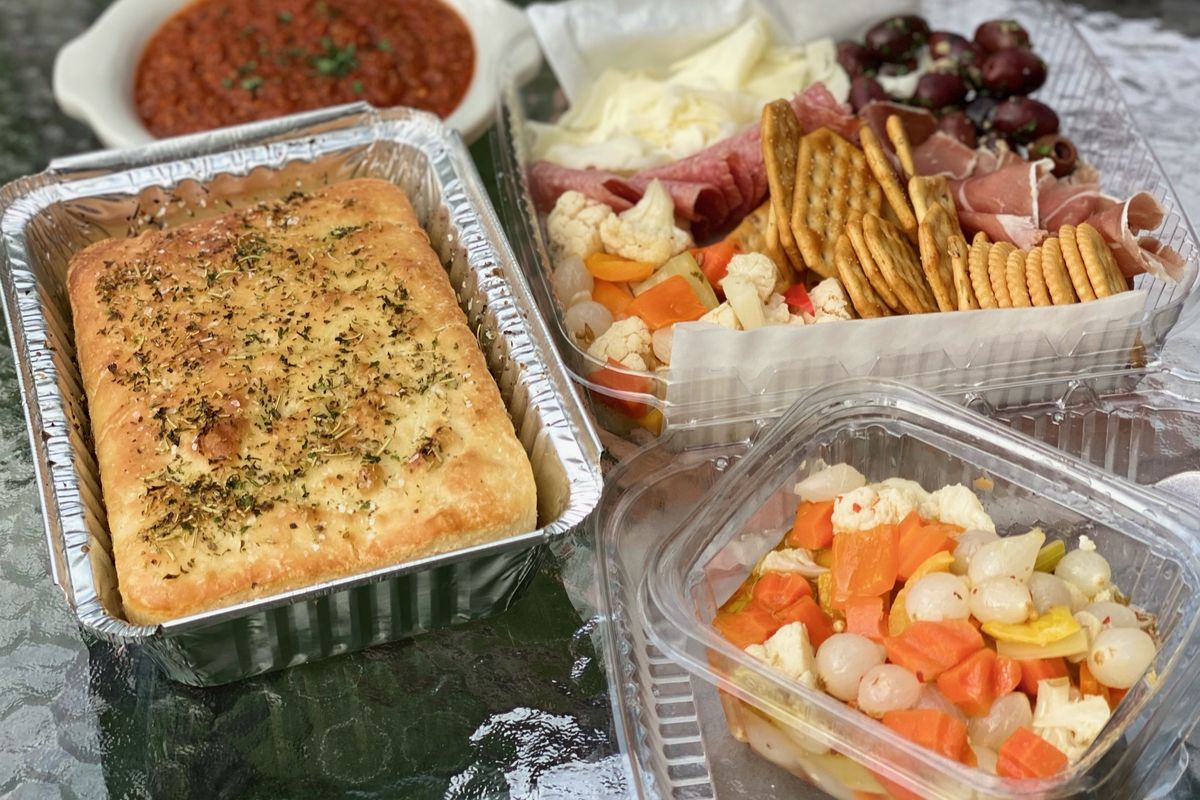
(1049, 556)
(824, 557)
(1055, 624)
(825, 595)
(898, 617)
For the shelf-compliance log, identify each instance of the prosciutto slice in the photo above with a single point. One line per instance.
(1013, 200)
(712, 189)
(942, 154)
(1119, 223)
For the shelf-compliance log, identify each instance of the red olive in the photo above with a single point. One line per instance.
(1001, 34)
(1010, 72)
(856, 59)
(1058, 149)
(937, 90)
(897, 38)
(980, 111)
(959, 125)
(863, 90)
(1021, 120)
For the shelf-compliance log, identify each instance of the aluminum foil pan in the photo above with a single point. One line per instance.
(46, 218)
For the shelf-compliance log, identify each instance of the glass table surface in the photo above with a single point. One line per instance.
(513, 706)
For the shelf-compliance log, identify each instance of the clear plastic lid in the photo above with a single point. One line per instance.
(888, 430)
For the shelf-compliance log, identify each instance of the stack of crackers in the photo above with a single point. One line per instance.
(843, 211)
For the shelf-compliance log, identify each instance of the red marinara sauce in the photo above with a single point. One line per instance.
(223, 62)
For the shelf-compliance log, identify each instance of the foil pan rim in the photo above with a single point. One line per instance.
(243, 149)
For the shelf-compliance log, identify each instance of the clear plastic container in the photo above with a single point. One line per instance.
(672, 551)
(1092, 113)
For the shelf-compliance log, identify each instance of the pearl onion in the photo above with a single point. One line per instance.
(1113, 615)
(887, 687)
(1119, 656)
(1004, 599)
(1086, 569)
(938, 596)
(932, 697)
(661, 341)
(843, 659)
(1008, 713)
(1047, 591)
(571, 277)
(968, 545)
(587, 320)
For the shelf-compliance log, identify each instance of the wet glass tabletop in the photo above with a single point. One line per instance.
(514, 706)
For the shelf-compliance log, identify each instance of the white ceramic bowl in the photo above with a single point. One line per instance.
(94, 73)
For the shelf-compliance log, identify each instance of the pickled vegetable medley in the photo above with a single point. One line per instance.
(1008, 653)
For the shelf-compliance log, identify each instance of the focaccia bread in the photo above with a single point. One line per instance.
(285, 395)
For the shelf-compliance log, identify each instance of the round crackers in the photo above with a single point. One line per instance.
(1102, 269)
(895, 258)
(977, 266)
(864, 299)
(1076, 269)
(998, 272)
(1054, 272)
(1014, 273)
(1039, 295)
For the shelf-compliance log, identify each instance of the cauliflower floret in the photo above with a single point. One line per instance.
(885, 503)
(647, 231)
(958, 505)
(574, 225)
(626, 341)
(776, 310)
(756, 268)
(722, 315)
(830, 301)
(1070, 725)
(796, 560)
(790, 651)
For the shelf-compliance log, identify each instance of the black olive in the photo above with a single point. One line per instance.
(959, 125)
(1010, 72)
(937, 90)
(980, 111)
(897, 38)
(1020, 120)
(863, 90)
(1058, 149)
(856, 59)
(1001, 34)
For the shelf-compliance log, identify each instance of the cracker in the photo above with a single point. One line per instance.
(1105, 276)
(977, 266)
(998, 272)
(780, 145)
(895, 258)
(1075, 266)
(926, 191)
(854, 230)
(900, 143)
(1054, 272)
(882, 169)
(1039, 295)
(1014, 272)
(785, 275)
(862, 296)
(833, 181)
(933, 237)
(959, 250)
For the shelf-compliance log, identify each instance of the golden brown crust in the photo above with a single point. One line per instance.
(286, 395)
